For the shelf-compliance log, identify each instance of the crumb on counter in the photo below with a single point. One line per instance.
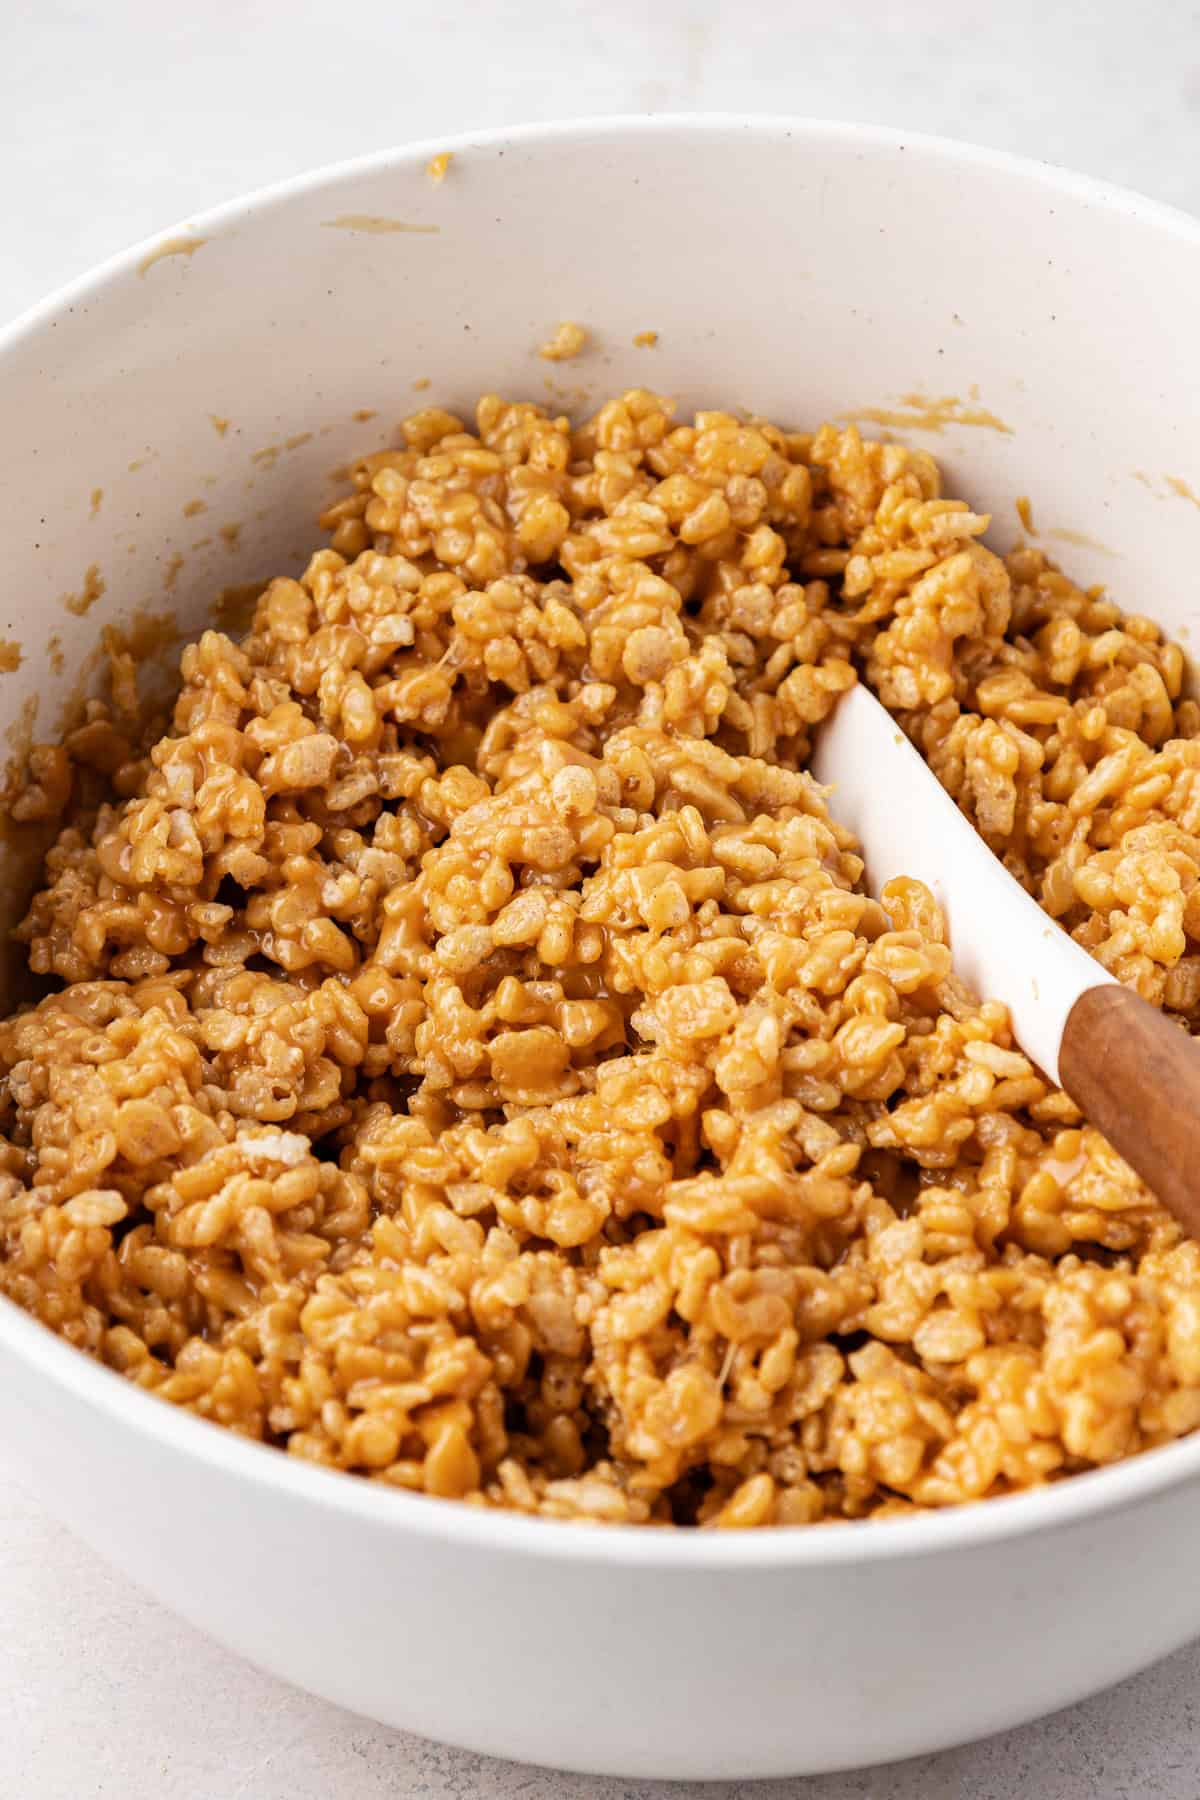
(645, 340)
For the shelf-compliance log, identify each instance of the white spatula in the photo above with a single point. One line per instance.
(1132, 1071)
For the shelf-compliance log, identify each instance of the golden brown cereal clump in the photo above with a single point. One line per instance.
(568, 340)
(470, 1058)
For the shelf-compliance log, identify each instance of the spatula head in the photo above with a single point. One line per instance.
(1005, 947)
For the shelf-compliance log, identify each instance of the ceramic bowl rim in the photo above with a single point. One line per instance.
(272, 1472)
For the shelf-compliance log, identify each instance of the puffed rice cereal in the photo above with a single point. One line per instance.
(467, 1057)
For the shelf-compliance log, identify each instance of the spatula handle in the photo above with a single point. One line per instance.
(1136, 1076)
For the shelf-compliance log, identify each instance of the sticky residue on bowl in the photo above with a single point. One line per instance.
(233, 608)
(269, 455)
(1081, 541)
(572, 400)
(18, 739)
(172, 246)
(927, 412)
(81, 604)
(374, 223)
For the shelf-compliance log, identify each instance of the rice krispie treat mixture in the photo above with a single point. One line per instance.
(467, 1055)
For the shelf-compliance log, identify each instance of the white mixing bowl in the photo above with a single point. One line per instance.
(799, 270)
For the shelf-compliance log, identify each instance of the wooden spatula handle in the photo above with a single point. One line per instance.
(1136, 1075)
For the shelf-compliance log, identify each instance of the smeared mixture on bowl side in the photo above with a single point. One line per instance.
(471, 1062)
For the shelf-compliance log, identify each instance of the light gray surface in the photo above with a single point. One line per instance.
(119, 120)
(103, 1693)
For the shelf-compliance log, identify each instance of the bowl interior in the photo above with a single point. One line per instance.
(175, 423)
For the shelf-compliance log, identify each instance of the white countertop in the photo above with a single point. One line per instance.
(119, 120)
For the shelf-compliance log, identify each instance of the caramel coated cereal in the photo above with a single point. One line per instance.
(468, 1058)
